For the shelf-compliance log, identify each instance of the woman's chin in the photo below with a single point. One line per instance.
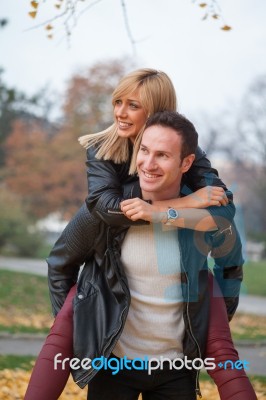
(126, 135)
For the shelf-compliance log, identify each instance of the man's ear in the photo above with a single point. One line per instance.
(187, 162)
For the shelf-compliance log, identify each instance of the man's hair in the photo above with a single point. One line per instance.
(181, 125)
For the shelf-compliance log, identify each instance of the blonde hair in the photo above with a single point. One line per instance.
(156, 92)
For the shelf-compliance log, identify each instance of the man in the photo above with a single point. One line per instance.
(148, 296)
(154, 345)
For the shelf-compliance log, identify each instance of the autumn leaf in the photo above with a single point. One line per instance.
(13, 385)
(34, 4)
(226, 28)
(202, 5)
(215, 16)
(50, 36)
(32, 14)
(49, 27)
(58, 6)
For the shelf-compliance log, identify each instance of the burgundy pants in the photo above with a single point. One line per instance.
(232, 384)
(48, 383)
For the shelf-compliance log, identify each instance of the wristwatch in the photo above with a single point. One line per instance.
(172, 215)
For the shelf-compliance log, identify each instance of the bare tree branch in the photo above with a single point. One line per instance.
(132, 41)
(70, 12)
(71, 15)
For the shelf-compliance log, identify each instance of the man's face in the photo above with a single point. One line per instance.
(159, 164)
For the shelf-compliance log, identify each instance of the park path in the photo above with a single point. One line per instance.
(248, 304)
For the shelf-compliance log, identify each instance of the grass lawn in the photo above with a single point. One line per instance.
(12, 362)
(254, 282)
(24, 291)
(255, 278)
(25, 305)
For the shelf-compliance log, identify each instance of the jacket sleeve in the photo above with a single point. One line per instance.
(202, 174)
(228, 266)
(108, 185)
(74, 246)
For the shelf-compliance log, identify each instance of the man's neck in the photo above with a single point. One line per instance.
(160, 196)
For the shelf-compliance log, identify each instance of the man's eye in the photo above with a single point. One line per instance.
(144, 150)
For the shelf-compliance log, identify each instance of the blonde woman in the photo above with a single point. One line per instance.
(111, 180)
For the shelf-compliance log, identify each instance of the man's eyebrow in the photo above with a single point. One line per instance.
(157, 151)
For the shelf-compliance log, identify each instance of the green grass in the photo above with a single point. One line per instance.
(255, 278)
(254, 282)
(13, 362)
(26, 292)
(249, 336)
(21, 329)
(28, 295)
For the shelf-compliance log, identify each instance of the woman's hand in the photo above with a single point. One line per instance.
(206, 197)
(135, 209)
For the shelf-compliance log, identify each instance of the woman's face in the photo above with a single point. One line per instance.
(129, 115)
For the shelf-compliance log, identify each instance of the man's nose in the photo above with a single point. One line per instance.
(150, 163)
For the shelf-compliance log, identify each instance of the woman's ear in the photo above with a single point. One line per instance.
(187, 162)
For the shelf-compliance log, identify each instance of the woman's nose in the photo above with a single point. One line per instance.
(121, 111)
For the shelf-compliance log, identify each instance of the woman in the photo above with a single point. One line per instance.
(138, 95)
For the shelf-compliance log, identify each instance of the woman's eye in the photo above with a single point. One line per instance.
(133, 105)
(118, 102)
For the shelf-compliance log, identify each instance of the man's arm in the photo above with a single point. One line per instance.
(228, 267)
(202, 174)
(208, 219)
(74, 246)
(109, 184)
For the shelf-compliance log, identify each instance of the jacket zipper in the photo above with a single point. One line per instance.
(93, 372)
(198, 392)
(124, 310)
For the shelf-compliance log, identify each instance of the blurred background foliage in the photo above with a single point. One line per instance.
(42, 165)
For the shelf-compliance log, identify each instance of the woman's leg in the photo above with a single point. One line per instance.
(232, 384)
(46, 382)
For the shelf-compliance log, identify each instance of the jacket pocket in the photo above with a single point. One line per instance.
(84, 292)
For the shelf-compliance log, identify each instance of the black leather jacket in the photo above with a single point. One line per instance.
(106, 180)
(103, 298)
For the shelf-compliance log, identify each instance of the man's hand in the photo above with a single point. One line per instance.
(135, 209)
(206, 197)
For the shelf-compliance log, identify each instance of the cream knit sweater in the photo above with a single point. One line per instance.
(154, 326)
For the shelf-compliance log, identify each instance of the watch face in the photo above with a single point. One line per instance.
(172, 213)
